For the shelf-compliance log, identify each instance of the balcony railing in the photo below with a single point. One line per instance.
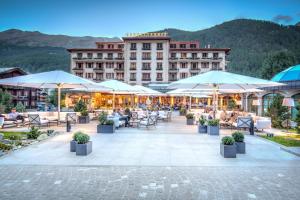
(119, 69)
(173, 69)
(77, 68)
(146, 48)
(159, 48)
(98, 69)
(173, 79)
(216, 68)
(132, 48)
(108, 58)
(159, 68)
(159, 58)
(146, 68)
(132, 68)
(132, 79)
(173, 58)
(119, 58)
(146, 79)
(195, 69)
(217, 58)
(159, 79)
(132, 58)
(146, 58)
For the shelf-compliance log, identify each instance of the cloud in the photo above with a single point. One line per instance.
(283, 18)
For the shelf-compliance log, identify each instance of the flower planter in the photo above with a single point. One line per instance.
(83, 119)
(189, 121)
(228, 151)
(84, 149)
(213, 130)
(105, 128)
(202, 129)
(73, 146)
(240, 147)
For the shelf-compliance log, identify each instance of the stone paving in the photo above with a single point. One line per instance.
(171, 162)
(63, 182)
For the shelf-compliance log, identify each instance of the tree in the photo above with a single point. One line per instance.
(5, 101)
(52, 98)
(80, 106)
(276, 63)
(277, 112)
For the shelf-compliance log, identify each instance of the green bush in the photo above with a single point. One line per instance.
(5, 147)
(202, 120)
(102, 118)
(109, 122)
(190, 116)
(76, 134)
(80, 106)
(20, 107)
(277, 112)
(34, 133)
(14, 137)
(82, 138)
(213, 122)
(84, 113)
(238, 136)
(227, 140)
(182, 111)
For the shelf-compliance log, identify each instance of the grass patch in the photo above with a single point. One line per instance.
(288, 141)
(8, 134)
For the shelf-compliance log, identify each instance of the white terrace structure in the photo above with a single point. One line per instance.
(146, 58)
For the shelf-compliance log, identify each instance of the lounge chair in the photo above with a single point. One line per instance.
(35, 120)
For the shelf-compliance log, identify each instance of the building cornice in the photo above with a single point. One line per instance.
(202, 49)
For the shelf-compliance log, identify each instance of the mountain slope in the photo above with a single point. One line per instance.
(251, 41)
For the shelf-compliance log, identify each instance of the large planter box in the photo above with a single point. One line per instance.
(213, 130)
(105, 128)
(228, 151)
(73, 146)
(189, 121)
(240, 147)
(202, 129)
(84, 149)
(83, 119)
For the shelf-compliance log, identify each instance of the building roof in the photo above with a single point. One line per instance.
(10, 69)
(290, 74)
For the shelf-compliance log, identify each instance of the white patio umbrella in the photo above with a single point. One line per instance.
(219, 80)
(52, 79)
(118, 87)
(142, 90)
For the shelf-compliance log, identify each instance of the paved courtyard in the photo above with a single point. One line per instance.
(171, 161)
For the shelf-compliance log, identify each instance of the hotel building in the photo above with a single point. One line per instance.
(150, 58)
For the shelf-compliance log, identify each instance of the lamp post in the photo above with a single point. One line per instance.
(289, 102)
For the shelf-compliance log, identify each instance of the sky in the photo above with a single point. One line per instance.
(115, 18)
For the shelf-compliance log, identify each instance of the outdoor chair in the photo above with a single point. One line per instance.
(149, 121)
(134, 119)
(162, 115)
(35, 120)
(243, 122)
(72, 117)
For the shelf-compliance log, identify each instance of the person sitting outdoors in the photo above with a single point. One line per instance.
(15, 116)
(117, 113)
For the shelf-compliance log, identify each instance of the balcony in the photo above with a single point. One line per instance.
(159, 68)
(132, 68)
(99, 69)
(159, 48)
(108, 58)
(174, 69)
(146, 79)
(217, 68)
(195, 69)
(194, 58)
(159, 58)
(173, 58)
(146, 49)
(173, 79)
(217, 58)
(120, 79)
(146, 68)
(132, 79)
(98, 79)
(77, 69)
(119, 58)
(119, 69)
(132, 48)
(98, 58)
(132, 58)
(159, 79)
(78, 58)
(146, 58)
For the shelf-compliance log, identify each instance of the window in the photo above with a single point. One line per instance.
(183, 55)
(182, 46)
(79, 65)
(194, 65)
(159, 66)
(120, 76)
(99, 55)
(100, 46)
(172, 76)
(193, 46)
(215, 66)
(109, 75)
(194, 74)
(79, 74)
(89, 75)
(215, 55)
(204, 55)
(146, 55)
(120, 46)
(173, 55)
(146, 46)
(99, 76)
(173, 46)
(194, 55)
(132, 56)
(132, 66)
(159, 46)
(132, 46)
(109, 65)
(120, 66)
(120, 55)
(204, 64)
(99, 65)
(132, 76)
(79, 55)
(146, 77)
(110, 46)
(90, 55)
(173, 65)
(159, 55)
(159, 76)
(183, 75)
(109, 55)
(183, 65)
(146, 66)
(89, 65)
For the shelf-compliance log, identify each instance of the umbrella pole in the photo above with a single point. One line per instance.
(113, 101)
(190, 102)
(58, 102)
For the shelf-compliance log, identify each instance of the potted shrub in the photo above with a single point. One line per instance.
(227, 147)
(190, 119)
(105, 126)
(83, 145)
(182, 111)
(239, 142)
(84, 117)
(73, 142)
(202, 128)
(213, 127)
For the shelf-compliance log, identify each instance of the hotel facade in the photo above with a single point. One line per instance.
(143, 59)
